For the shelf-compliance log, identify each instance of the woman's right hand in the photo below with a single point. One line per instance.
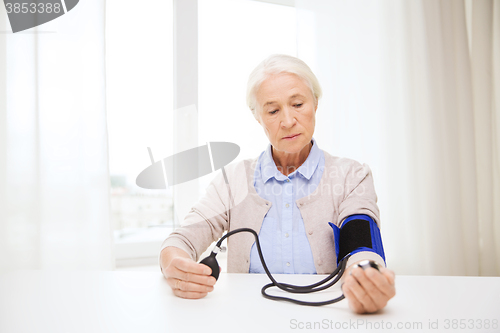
(187, 278)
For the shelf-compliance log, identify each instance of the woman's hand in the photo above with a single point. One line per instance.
(369, 290)
(187, 278)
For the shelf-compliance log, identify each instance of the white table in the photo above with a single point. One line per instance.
(48, 301)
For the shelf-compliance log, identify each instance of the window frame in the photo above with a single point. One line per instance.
(185, 97)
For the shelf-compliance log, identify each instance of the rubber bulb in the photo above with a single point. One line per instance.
(211, 262)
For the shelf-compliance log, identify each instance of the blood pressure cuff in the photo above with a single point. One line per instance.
(358, 233)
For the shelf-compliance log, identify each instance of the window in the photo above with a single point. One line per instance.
(139, 106)
(233, 37)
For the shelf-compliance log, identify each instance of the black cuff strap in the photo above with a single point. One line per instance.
(353, 235)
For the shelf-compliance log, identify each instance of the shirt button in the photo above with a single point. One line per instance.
(286, 235)
(288, 180)
(287, 205)
(288, 264)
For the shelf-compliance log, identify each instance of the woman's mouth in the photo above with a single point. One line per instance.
(291, 137)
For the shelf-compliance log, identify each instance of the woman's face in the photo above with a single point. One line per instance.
(286, 110)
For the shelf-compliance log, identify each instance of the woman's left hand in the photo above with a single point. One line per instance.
(369, 290)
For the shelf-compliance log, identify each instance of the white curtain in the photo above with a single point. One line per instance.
(54, 187)
(413, 89)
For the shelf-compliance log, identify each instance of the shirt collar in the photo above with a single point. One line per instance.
(269, 169)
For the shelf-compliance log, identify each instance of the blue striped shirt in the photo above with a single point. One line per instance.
(282, 235)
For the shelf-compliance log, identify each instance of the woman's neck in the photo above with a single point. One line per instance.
(287, 163)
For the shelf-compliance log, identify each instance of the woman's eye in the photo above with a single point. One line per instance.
(273, 112)
(298, 105)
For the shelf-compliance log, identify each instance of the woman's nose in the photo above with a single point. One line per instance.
(288, 118)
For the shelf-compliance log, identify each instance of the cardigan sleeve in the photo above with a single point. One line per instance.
(205, 223)
(360, 198)
(359, 194)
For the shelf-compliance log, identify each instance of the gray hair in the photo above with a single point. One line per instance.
(280, 64)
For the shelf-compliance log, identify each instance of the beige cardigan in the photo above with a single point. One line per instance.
(346, 188)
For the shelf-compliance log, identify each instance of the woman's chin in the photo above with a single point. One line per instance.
(291, 148)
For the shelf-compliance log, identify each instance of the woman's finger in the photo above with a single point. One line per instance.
(384, 281)
(378, 298)
(389, 274)
(188, 265)
(354, 304)
(177, 284)
(360, 293)
(190, 272)
(188, 294)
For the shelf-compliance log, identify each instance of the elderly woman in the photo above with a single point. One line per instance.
(287, 194)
